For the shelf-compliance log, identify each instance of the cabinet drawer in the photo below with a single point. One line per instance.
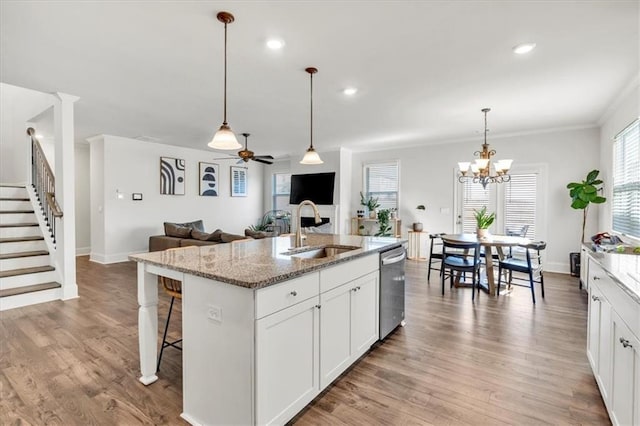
(288, 293)
(335, 276)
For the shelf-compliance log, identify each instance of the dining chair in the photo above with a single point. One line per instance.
(454, 261)
(174, 289)
(531, 265)
(435, 253)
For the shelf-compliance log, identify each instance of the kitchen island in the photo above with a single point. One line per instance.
(265, 327)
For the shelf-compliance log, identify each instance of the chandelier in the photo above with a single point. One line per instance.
(480, 170)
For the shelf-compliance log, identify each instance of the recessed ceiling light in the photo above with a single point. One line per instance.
(523, 48)
(350, 91)
(275, 44)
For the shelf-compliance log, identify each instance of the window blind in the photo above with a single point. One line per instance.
(381, 181)
(474, 198)
(520, 195)
(281, 189)
(626, 181)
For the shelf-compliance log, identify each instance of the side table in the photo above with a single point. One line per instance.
(414, 249)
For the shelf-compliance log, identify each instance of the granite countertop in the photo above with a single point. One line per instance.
(623, 268)
(260, 263)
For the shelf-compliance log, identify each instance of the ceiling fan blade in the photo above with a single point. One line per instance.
(239, 161)
(259, 160)
(264, 157)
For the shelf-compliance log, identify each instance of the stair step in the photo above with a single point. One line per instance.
(20, 239)
(25, 271)
(23, 254)
(17, 225)
(13, 199)
(29, 289)
(15, 211)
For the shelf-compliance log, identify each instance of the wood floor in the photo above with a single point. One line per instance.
(498, 361)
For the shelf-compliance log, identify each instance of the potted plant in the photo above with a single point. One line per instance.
(371, 203)
(384, 228)
(483, 221)
(584, 193)
(417, 226)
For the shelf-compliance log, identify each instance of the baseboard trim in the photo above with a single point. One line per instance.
(559, 267)
(83, 251)
(112, 258)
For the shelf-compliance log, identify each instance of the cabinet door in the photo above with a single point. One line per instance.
(364, 314)
(335, 333)
(287, 369)
(605, 350)
(593, 328)
(626, 363)
(584, 267)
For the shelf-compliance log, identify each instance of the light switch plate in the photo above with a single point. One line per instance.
(214, 313)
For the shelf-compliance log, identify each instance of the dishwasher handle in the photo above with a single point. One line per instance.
(396, 259)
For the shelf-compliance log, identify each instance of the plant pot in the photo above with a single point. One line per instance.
(372, 214)
(482, 233)
(417, 226)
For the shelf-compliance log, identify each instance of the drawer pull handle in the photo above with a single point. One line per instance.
(294, 293)
(595, 298)
(596, 278)
(625, 343)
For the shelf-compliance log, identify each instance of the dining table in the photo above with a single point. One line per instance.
(489, 242)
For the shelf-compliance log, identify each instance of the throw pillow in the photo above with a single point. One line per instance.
(205, 236)
(257, 235)
(175, 230)
(196, 224)
(227, 238)
(325, 228)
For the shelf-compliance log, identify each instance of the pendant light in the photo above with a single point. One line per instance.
(311, 156)
(224, 137)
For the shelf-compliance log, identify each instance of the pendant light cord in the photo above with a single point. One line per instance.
(225, 75)
(311, 97)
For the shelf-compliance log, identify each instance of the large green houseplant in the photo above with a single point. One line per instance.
(584, 193)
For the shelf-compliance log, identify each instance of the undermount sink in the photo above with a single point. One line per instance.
(325, 251)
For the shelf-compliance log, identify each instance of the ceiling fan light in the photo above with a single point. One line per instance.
(224, 139)
(311, 157)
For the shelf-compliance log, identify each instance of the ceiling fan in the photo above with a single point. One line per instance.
(246, 155)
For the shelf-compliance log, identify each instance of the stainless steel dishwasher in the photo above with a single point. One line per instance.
(391, 289)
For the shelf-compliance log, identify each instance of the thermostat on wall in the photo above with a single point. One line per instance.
(136, 196)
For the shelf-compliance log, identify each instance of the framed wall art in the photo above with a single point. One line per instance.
(239, 181)
(209, 179)
(172, 176)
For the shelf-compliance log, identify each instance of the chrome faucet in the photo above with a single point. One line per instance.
(316, 213)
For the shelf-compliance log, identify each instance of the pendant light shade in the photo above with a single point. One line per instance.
(311, 156)
(224, 137)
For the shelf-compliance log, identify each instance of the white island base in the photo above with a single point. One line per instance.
(259, 356)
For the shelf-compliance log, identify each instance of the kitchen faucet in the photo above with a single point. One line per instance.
(316, 213)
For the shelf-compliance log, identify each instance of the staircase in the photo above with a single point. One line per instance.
(26, 274)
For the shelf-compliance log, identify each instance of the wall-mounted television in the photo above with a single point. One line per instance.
(317, 187)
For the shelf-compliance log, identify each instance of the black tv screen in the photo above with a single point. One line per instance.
(317, 187)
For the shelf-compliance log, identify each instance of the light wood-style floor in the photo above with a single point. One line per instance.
(498, 361)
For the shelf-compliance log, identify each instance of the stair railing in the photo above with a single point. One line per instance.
(44, 183)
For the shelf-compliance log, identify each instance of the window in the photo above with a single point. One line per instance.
(381, 181)
(516, 204)
(626, 181)
(281, 189)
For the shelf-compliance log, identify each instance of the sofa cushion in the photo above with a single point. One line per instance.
(175, 230)
(162, 242)
(196, 224)
(227, 238)
(186, 242)
(205, 236)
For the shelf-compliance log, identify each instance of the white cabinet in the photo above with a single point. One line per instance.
(584, 266)
(613, 347)
(287, 362)
(625, 375)
(348, 325)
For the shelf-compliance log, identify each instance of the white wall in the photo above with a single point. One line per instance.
(427, 177)
(624, 111)
(120, 227)
(17, 107)
(83, 202)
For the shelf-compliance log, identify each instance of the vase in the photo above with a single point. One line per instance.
(482, 233)
(417, 226)
(372, 214)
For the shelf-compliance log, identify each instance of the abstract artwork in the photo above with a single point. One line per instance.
(209, 179)
(238, 182)
(171, 176)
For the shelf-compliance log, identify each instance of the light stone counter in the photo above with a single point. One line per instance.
(624, 269)
(259, 263)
